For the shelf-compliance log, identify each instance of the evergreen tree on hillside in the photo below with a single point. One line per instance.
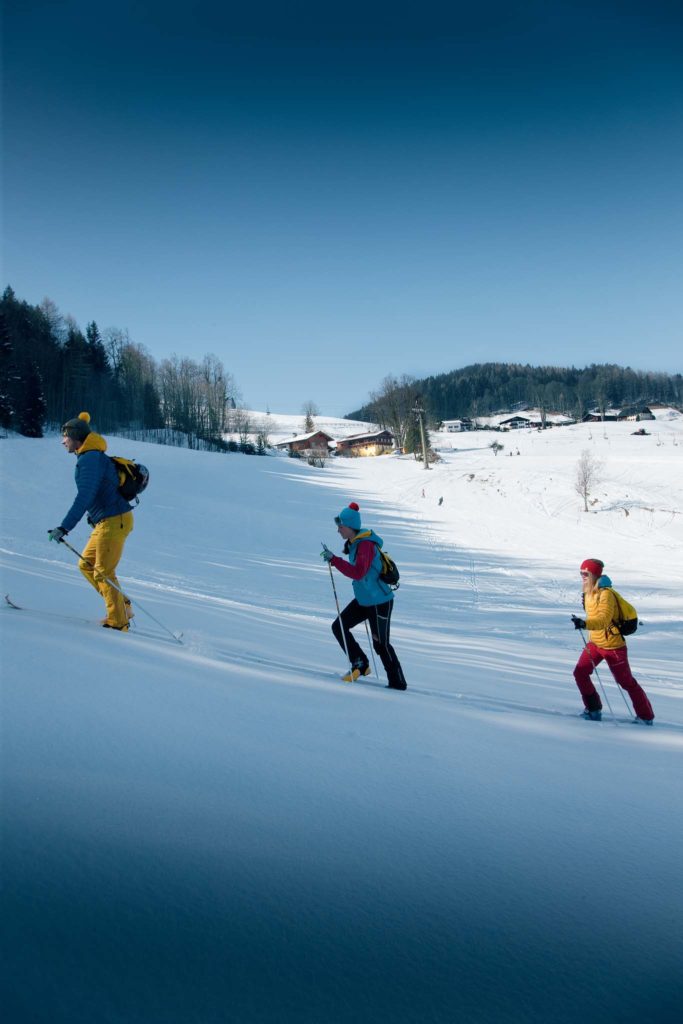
(97, 353)
(310, 411)
(31, 341)
(77, 370)
(5, 371)
(31, 414)
(412, 443)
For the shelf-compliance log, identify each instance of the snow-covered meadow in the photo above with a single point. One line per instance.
(223, 831)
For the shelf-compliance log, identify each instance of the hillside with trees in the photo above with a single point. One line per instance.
(486, 388)
(50, 370)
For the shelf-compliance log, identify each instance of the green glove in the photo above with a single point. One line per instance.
(326, 554)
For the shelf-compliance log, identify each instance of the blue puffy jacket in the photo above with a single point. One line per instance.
(98, 485)
(370, 590)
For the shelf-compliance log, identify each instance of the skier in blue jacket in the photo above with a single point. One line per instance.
(373, 600)
(110, 515)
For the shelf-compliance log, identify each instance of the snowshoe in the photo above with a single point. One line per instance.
(591, 716)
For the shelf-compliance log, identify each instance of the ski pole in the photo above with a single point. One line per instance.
(341, 627)
(372, 649)
(112, 584)
(597, 675)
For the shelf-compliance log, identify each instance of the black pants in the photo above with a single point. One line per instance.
(379, 618)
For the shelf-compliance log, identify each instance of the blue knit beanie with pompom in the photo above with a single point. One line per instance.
(349, 516)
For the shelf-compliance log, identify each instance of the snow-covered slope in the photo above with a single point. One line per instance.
(281, 426)
(223, 831)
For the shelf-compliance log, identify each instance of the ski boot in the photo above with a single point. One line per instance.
(355, 672)
(643, 721)
(591, 716)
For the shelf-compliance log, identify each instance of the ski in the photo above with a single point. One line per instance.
(132, 631)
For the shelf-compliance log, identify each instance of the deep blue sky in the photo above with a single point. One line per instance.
(322, 195)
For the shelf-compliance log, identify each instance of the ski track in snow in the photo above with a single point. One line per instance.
(447, 581)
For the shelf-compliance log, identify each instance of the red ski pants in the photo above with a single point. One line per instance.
(617, 659)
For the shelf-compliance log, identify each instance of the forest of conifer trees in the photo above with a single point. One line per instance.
(50, 371)
(486, 388)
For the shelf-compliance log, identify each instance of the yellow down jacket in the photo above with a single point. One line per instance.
(602, 611)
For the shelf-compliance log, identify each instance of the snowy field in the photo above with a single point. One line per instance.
(281, 426)
(224, 832)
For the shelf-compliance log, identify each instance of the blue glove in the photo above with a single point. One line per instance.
(326, 554)
(578, 623)
(57, 534)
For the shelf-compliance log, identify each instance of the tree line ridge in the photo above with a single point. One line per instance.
(484, 389)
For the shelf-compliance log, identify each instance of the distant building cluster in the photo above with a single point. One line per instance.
(320, 444)
(536, 419)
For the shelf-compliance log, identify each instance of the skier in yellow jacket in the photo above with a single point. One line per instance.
(108, 512)
(605, 643)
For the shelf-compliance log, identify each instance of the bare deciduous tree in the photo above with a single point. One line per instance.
(54, 319)
(195, 397)
(393, 406)
(115, 342)
(242, 425)
(587, 475)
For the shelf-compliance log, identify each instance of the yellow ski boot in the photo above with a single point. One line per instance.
(355, 673)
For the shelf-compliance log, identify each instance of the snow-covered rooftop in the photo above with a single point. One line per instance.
(304, 437)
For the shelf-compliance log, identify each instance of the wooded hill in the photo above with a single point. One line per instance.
(486, 388)
(50, 370)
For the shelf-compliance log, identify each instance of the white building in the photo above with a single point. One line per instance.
(455, 426)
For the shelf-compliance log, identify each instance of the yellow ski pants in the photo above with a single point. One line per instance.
(98, 563)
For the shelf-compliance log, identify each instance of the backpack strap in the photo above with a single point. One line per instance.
(613, 627)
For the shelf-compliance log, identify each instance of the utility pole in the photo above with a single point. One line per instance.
(419, 412)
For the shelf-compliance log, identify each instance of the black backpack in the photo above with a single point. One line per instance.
(627, 622)
(133, 477)
(389, 574)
